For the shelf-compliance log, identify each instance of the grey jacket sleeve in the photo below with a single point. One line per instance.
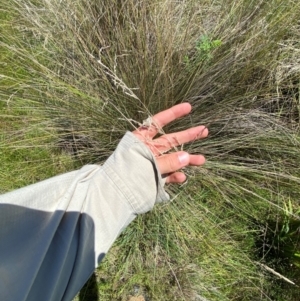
(54, 233)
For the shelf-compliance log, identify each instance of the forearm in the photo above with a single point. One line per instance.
(54, 233)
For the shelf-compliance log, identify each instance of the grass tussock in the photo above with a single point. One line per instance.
(75, 75)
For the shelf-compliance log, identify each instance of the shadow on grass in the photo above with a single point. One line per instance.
(89, 292)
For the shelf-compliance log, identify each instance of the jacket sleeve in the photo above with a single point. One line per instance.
(54, 233)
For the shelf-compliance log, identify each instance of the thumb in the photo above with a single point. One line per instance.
(172, 162)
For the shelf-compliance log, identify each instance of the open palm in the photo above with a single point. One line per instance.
(170, 163)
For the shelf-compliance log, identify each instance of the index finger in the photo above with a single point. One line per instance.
(163, 118)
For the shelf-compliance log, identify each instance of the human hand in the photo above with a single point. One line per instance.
(169, 164)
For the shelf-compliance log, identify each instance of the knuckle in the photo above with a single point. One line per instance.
(173, 162)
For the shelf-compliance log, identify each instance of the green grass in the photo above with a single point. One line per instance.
(75, 75)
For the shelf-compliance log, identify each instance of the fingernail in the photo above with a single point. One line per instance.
(184, 158)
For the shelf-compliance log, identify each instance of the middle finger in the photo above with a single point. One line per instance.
(169, 141)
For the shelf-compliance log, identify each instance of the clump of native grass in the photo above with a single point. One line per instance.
(81, 73)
